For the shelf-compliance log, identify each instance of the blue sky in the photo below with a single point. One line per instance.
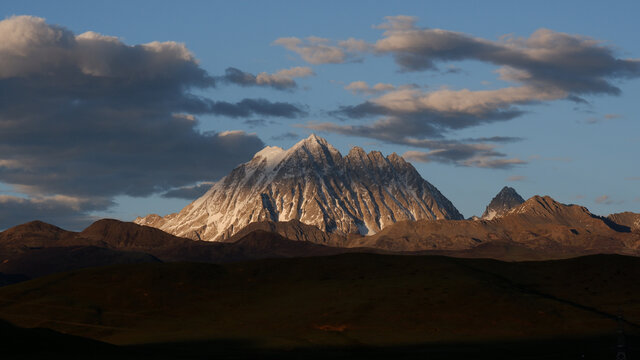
(581, 152)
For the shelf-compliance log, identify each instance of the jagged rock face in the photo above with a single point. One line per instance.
(506, 200)
(313, 183)
(628, 219)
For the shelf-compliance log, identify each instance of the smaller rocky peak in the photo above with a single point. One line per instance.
(545, 206)
(548, 210)
(396, 159)
(356, 152)
(504, 201)
(377, 157)
(509, 192)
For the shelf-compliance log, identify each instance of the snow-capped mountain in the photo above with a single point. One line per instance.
(313, 183)
(506, 200)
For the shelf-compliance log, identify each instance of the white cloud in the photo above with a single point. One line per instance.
(283, 78)
(462, 101)
(316, 50)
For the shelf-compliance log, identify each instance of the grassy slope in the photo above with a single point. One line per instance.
(352, 299)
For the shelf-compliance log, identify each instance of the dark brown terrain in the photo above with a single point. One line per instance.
(342, 306)
(36, 248)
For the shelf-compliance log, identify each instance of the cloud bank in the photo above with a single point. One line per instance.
(89, 117)
(546, 66)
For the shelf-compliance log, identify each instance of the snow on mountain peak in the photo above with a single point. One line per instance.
(273, 155)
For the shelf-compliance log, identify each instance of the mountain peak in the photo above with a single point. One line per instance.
(508, 191)
(542, 205)
(504, 201)
(313, 140)
(316, 138)
(544, 209)
(313, 183)
(313, 144)
(396, 159)
(357, 151)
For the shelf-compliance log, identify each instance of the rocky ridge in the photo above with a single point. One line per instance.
(552, 229)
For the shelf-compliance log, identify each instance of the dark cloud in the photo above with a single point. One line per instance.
(255, 122)
(452, 69)
(286, 136)
(68, 213)
(87, 116)
(573, 63)
(281, 80)
(398, 124)
(238, 77)
(188, 192)
(467, 152)
(461, 156)
(250, 107)
(495, 139)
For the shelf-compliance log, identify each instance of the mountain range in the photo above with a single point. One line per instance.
(312, 193)
(538, 229)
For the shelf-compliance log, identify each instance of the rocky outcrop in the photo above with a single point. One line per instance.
(628, 219)
(506, 200)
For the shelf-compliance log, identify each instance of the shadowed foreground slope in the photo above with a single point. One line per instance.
(352, 300)
(36, 248)
(19, 342)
